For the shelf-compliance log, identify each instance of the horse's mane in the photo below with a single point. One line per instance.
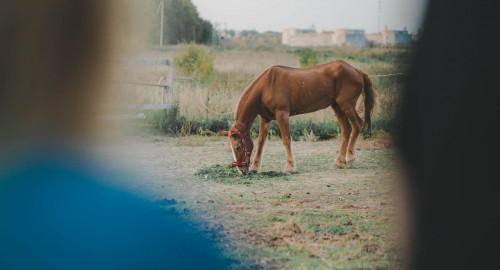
(247, 92)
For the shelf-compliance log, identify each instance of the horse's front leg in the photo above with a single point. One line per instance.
(282, 117)
(264, 125)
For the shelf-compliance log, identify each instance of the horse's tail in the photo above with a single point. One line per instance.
(369, 100)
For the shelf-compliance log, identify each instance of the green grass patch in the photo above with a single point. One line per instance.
(218, 171)
(228, 174)
(331, 222)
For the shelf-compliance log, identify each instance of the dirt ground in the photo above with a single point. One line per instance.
(317, 218)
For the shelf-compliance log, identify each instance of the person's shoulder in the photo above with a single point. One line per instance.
(52, 205)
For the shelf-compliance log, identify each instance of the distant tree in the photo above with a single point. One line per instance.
(181, 23)
(231, 33)
(245, 33)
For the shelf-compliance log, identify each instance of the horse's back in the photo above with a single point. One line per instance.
(299, 90)
(304, 90)
(336, 69)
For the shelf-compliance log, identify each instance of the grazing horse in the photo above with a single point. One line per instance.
(281, 92)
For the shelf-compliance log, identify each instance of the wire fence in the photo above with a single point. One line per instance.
(199, 94)
(164, 86)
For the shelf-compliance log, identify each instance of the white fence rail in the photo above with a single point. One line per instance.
(165, 85)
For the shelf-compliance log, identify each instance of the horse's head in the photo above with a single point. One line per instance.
(241, 147)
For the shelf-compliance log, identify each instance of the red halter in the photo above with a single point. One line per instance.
(246, 155)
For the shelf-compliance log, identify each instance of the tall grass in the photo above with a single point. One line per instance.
(206, 104)
(171, 122)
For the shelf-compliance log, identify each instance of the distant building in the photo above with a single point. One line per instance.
(310, 38)
(351, 37)
(416, 37)
(390, 37)
(305, 38)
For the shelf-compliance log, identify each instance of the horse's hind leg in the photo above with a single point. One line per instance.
(356, 125)
(263, 129)
(345, 128)
(282, 117)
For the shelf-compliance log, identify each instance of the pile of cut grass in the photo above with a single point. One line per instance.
(228, 174)
(217, 171)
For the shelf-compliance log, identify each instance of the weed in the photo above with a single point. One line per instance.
(309, 136)
(195, 60)
(185, 129)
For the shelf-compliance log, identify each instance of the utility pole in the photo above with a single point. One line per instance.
(379, 13)
(161, 9)
(215, 36)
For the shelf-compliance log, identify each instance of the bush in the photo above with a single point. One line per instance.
(172, 123)
(301, 129)
(195, 60)
(308, 58)
(167, 121)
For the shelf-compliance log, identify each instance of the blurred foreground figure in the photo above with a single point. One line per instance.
(447, 137)
(56, 210)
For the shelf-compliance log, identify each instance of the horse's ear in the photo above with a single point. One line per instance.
(224, 133)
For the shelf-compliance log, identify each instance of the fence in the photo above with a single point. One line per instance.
(164, 86)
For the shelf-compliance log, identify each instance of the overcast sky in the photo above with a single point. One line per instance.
(277, 15)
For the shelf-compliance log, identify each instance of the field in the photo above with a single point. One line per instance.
(317, 218)
(206, 101)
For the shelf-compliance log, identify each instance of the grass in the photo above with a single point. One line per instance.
(330, 212)
(208, 101)
(317, 218)
(228, 174)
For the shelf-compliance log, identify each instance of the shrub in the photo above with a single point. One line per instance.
(301, 129)
(167, 121)
(308, 58)
(196, 60)
(171, 122)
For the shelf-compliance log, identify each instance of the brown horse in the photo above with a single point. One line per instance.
(281, 92)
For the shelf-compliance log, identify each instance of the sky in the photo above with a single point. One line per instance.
(276, 15)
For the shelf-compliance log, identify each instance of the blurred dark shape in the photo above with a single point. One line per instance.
(52, 59)
(56, 209)
(447, 137)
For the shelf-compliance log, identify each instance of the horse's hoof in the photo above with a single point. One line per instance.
(349, 162)
(252, 171)
(288, 172)
(339, 165)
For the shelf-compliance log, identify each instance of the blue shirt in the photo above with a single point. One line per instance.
(57, 212)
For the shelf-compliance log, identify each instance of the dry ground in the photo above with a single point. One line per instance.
(317, 218)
